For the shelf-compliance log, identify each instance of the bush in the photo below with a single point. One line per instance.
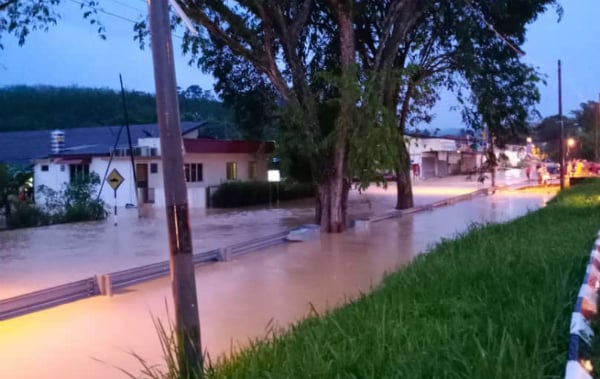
(241, 194)
(25, 215)
(76, 202)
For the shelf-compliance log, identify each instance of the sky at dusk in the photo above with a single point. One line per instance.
(71, 53)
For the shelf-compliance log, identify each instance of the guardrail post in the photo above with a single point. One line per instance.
(101, 284)
(108, 285)
(225, 254)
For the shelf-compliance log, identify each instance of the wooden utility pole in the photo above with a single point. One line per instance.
(178, 221)
(562, 129)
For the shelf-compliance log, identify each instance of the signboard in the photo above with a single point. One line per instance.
(115, 179)
(273, 176)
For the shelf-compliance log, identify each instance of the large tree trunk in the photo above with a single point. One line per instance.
(404, 193)
(333, 189)
(332, 204)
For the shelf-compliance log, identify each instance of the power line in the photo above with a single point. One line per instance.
(101, 10)
(492, 28)
(118, 16)
(127, 6)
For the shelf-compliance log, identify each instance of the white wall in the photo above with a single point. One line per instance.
(56, 176)
(126, 194)
(214, 167)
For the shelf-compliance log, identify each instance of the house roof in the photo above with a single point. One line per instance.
(23, 147)
(204, 145)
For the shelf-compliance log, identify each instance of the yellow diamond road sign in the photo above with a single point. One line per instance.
(115, 179)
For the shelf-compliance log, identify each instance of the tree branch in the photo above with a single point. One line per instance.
(265, 63)
(5, 4)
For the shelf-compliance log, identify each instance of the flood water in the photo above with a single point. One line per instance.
(238, 300)
(37, 258)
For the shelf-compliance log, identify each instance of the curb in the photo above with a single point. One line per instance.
(581, 334)
(363, 223)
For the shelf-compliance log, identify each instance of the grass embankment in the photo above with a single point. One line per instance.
(494, 303)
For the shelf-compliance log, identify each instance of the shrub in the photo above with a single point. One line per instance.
(76, 202)
(25, 215)
(240, 194)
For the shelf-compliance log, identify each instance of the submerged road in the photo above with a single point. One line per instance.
(37, 258)
(237, 299)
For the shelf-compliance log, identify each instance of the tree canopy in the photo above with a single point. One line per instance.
(21, 17)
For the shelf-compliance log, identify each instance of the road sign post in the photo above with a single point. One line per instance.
(115, 179)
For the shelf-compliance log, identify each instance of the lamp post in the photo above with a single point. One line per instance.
(562, 129)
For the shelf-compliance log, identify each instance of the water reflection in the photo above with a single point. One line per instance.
(32, 259)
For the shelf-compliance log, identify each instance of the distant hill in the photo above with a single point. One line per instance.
(48, 107)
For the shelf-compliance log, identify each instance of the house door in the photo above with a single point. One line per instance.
(141, 171)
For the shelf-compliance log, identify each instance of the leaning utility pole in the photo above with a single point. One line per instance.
(178, 222)
(562, 129)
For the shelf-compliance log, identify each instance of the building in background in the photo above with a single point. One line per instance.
(60, 156)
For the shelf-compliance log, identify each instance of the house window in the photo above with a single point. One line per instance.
(193, 172)
(252, 173)
(231, 170)
(153, 168)
(44, 167)
(79, 171)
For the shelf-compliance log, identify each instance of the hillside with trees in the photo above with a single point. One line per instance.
(47, 107)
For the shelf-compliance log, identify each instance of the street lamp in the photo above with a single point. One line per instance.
(570, 144)
(529, 140)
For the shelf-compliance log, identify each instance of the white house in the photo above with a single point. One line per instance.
(208, 163)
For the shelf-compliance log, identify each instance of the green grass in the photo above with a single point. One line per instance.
(494, 303)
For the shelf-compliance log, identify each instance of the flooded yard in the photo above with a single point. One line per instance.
(37, 258)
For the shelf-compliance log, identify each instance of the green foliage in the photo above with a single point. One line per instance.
(76, 202)
(241, 194)
(175, 359)
(47, 107)
(581, 125)
(21, 17)
(26, 215)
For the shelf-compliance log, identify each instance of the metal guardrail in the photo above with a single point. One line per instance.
(125, 278)
(257, 244)
(49, 297)
(105, 284)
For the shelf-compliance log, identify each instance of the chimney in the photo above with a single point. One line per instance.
(57, 141)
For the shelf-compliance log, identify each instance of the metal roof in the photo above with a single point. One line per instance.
(23, 147)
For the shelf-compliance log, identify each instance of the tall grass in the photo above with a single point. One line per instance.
(493, 303)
